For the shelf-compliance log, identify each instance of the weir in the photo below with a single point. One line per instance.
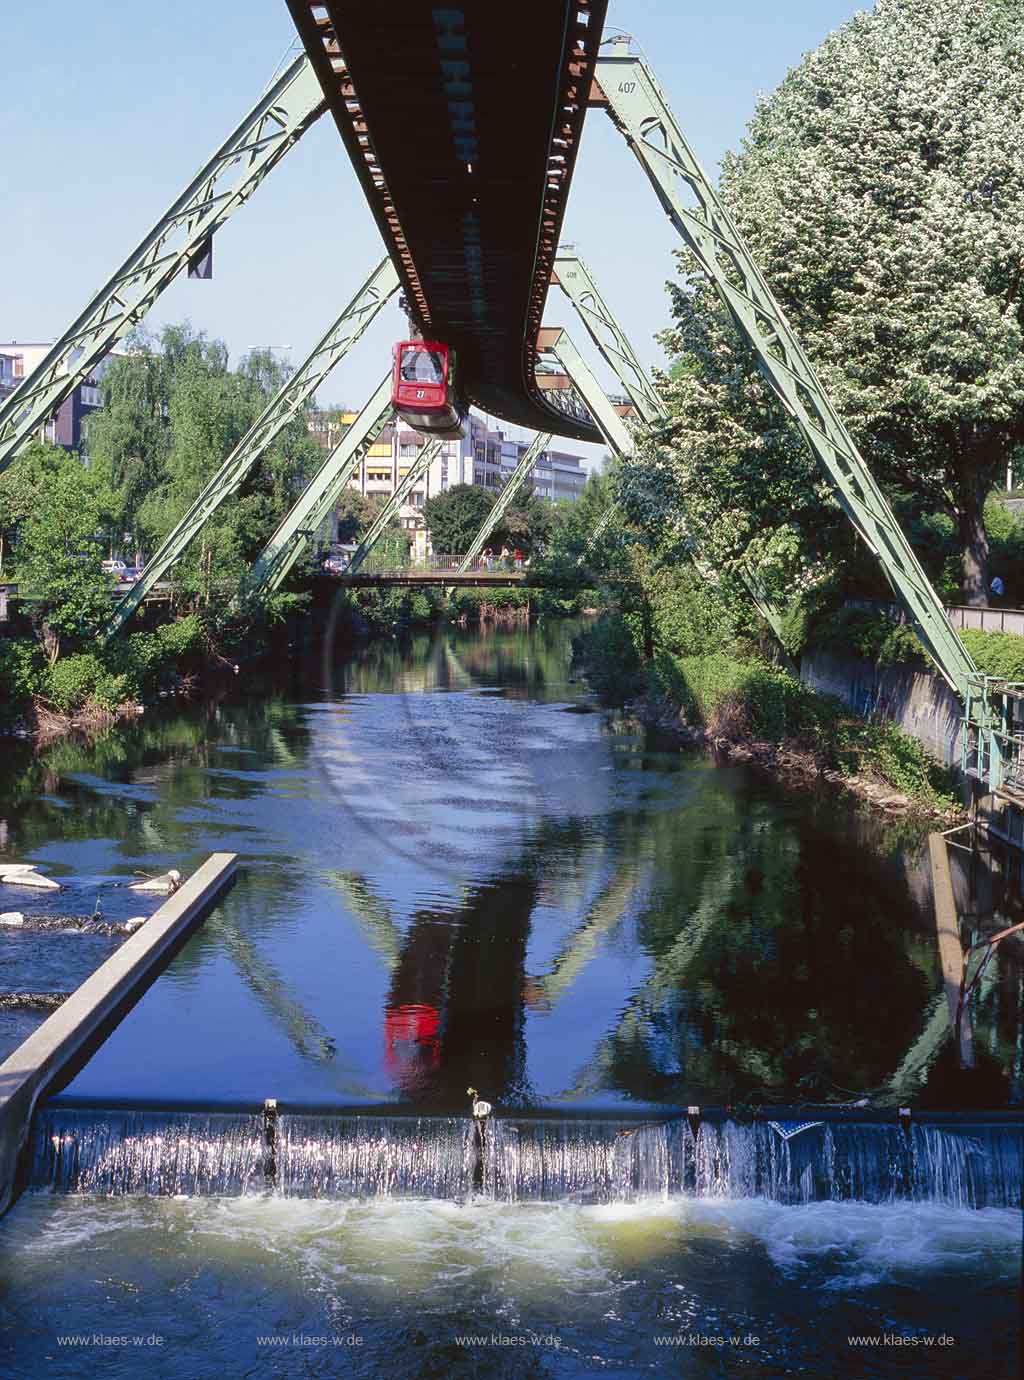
(111, 1153)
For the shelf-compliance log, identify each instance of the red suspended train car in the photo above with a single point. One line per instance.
(424, 388)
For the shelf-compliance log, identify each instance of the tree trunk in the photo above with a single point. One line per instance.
(973, 542)
(647, 624)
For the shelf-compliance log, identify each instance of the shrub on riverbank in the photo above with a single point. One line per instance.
(108, 679)
(864, 633)
(21, 677)
(750, 700)
(474, 604)
(884, 642)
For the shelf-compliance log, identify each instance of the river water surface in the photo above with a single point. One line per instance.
(455, 872)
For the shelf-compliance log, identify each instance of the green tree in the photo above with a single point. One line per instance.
(21, 486)
(130, 434)
(881, 190)
(526, 524)
(205, 409)
(59, 550)
(356, 512)
(454, 517)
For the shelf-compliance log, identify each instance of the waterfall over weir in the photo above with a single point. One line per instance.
(228, 1154)
(361, 1157)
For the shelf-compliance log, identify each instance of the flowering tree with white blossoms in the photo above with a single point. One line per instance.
(881, 191)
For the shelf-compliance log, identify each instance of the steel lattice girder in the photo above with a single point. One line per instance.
(639, 110)
(286, 403)
(576, 281)
(320, 494)
(515, 482)
(611, 426)
(416, 470)
(288, 107)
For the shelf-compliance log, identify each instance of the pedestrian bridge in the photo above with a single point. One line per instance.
(437, 570)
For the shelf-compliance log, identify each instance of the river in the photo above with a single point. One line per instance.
(454, 872)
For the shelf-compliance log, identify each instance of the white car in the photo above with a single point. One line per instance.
(116, 568)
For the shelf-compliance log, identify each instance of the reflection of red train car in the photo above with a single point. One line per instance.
(423, 388)
(416, 1030)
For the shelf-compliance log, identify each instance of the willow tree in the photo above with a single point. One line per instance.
(881, 190)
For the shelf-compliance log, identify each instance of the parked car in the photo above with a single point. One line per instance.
(116, 568)
(334, 565)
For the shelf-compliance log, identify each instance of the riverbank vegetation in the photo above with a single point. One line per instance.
(890, 234)
(173, 410)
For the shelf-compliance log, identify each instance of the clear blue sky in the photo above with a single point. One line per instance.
(112, 107)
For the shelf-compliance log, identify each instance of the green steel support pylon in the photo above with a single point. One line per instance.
(417, 469)
(514, 483)
(626, 86)
(320, 495)
(576, 281)
(604, 522)
(287, 402)
(606, 419)
(289, 106)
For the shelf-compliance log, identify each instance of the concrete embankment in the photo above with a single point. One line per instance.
(54, 1052)
(916, 701)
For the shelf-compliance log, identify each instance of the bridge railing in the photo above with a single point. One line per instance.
(988, 619)
(442, 565)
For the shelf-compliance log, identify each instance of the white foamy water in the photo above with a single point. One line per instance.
(412, 1276)
(392, 1236)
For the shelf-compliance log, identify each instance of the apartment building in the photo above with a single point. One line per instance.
(484, 456)
(68, 426)
(8, 379)
(556, 474)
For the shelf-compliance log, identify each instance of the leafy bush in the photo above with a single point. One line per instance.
(735, 697)
(467, 603)
(183, 641)
(70, 681)
(21, 675)
(881, 749)
(996, 654)
(859, 632)
(864, 633)
(687, 615)
(420, 608)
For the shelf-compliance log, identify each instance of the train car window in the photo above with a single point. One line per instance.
(422, 366)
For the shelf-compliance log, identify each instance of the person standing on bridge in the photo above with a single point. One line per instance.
(996, 590)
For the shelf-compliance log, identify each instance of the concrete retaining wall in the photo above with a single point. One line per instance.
(53, 1052)
(917, 701)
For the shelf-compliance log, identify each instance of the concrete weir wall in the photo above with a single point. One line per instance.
(918, 702)
(53, 1052)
